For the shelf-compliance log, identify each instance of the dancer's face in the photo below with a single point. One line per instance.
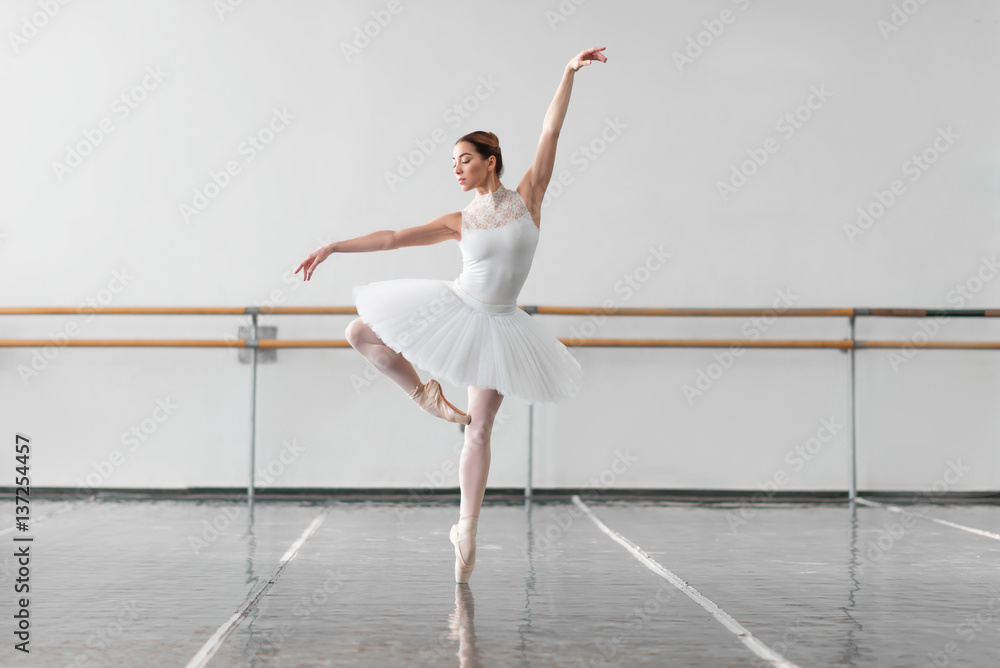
(470, 168)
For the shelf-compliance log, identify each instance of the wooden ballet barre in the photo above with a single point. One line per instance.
(122, 310)
(928, 313)
(124, 343)
(175, 310)
(604, 343)
(947, 345)
(533, 309)
(727, 312)
(757, 343)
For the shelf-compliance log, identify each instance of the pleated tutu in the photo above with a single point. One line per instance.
(442, 329)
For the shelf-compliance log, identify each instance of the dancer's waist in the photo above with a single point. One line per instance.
(479, 304)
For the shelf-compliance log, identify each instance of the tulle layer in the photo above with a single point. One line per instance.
(443, 330)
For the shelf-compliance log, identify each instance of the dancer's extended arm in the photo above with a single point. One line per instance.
(536, 179)
(442, 228)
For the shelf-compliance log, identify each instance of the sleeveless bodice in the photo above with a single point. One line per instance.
(498, 244)
(468, 330)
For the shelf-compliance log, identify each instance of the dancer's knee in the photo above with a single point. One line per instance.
(477, 434)
(356, 331)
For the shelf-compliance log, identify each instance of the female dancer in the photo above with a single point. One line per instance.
(469, 330)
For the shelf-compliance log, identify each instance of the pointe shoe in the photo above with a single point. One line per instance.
(464, 530)
(428, 395)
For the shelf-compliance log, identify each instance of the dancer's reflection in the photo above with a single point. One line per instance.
(463, 626)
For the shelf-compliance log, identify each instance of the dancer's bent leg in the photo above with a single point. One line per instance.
(385, 359)
(363, 339)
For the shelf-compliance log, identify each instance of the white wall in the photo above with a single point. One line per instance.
(111, 230)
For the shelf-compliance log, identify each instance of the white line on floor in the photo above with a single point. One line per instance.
(747, 638)
(212, 645)
(897, 509)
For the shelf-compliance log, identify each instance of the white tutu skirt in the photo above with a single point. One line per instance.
(440, 328)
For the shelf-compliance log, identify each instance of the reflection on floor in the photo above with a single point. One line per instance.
(333, 583)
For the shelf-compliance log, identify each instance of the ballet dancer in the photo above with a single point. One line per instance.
(469, 331)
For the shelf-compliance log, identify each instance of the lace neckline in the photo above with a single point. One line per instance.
(494, 197)
(494, 209)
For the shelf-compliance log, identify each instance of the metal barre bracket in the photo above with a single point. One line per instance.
(265, 355)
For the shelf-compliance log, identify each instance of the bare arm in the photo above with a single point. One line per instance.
(442, 228)
(374, 241)
(536, 179)
(556, 113)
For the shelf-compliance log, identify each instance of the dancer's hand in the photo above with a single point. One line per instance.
(586, 57)
(313, 260)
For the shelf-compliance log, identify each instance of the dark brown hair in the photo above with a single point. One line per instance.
(486, 144)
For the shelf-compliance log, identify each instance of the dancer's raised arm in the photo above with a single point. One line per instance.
(442, 228)
(536, 179)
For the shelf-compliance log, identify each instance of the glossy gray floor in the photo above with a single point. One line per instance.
(178, 583)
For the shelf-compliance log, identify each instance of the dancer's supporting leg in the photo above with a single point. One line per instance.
(385, 359)
(474, 464)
